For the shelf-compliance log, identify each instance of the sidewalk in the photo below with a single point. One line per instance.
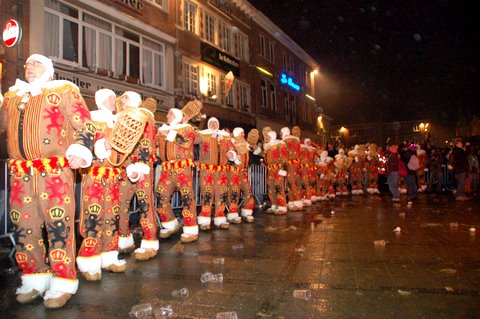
(430, 269)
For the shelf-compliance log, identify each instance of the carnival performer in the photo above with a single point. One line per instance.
(138, 181)
(238, 178)
(357, 169)
(371, 167)
(99, 215)
(294, 193)
(37, 116)
(341, 165)
(305, 171)
(276, 158)
(144, 155)
(213, 147)
(175, 146)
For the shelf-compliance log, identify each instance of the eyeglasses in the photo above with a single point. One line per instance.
(32, 63)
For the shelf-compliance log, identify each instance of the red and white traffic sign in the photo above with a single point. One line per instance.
(11, 33)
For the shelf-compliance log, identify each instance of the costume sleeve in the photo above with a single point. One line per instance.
(186, 137)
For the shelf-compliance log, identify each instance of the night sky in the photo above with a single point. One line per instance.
(387, 60)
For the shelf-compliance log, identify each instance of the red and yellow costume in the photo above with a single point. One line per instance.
(176, 153)
(293, 179)
(213, 148)
(276, 158)
(42, 195)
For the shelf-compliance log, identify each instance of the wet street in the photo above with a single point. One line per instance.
(428, 268)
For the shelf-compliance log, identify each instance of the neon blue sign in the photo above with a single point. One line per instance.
(288, 81)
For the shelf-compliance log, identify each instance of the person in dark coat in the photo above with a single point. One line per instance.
(459, 165)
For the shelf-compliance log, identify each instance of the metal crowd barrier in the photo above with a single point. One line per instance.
(256, 173)
(6, 230)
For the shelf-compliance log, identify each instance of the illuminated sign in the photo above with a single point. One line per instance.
(11, 33)
(288, 81)
(219, 59)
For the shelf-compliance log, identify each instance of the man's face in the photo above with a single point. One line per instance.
(213, 125)
(170, 116)
(33, 70)
(110, 103)
(393, 148)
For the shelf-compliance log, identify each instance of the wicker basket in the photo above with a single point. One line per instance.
(265, 131)
(252, 137)
(191, 109)
(241, 145)
(296, 131)
(150, 104)
(127, 131)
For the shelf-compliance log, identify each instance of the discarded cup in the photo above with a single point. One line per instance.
(237, 246)
(226, 315)
(216, 278)
(164, 312)
(205, 276)
(181, 293)
(472, 230)
(397, 230)
(332, 212)
(380, 243)
(300, 249)
(302, 294)
(219, 261)
(141, 311)
(409, 204)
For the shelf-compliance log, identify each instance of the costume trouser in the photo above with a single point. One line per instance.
(306, 190)
(342, 182)
(294, 184)
(213, 187)
(312, 180)
(356, 180)
(143, 190)
(276, 187)
(246, 189)
(45, 200)
(175, 176)
(99, 219)
(373, 179)
(233, 178)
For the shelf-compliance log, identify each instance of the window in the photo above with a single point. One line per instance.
(273, 97)
(97, 43)
(263, 86)
(76, 37)
(229, 99)
(190, 13)
(293, 108)
(225, 41)
(62, 31)
(153, 68)
(161, 3)
(262, 45)
(210, 28)
(211, 84)
(287, 108)
(271, 52)
(127, 49)
(242, 47)
(244, 96)
(190, 73)
(285, 61)
(292, 66)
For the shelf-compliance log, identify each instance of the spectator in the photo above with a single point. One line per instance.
(459, 165)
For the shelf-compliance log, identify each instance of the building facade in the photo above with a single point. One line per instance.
(173, 51)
